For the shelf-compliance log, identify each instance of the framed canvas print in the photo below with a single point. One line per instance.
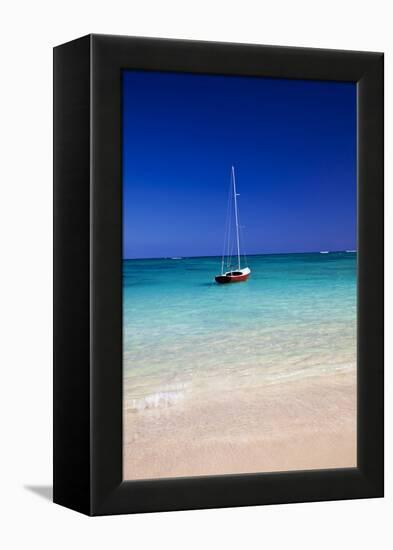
(218, 275)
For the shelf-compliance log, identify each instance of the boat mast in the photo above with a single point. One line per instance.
(236, 216)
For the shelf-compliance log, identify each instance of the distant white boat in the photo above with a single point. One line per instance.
(350, 251)
(177, 258)
(324, 251)
(230, 274)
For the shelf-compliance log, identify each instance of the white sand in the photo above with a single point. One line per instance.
(296, 425)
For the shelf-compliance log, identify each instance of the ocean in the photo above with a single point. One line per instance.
(185, 336)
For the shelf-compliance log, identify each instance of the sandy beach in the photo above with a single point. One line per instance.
(307, 423)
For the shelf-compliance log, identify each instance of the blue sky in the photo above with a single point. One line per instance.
(293, 145)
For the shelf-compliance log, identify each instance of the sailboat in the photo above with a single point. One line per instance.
(230, 273)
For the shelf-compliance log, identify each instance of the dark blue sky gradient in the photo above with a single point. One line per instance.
(293, 145)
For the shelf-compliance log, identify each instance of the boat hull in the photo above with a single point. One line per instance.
(224, 279)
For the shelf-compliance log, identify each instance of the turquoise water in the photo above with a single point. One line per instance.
(185, 335)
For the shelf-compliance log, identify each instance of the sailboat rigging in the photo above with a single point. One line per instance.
(229, 273)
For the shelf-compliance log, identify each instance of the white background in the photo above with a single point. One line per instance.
(29, 30)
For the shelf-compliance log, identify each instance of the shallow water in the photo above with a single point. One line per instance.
(186, 336)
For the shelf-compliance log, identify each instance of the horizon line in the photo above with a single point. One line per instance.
(242, 255)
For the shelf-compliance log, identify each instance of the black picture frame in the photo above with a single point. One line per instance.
(88, 277)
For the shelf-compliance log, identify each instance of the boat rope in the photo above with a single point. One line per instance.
(245, 259)
(233, 238)
(226, 247)
(242, 241)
